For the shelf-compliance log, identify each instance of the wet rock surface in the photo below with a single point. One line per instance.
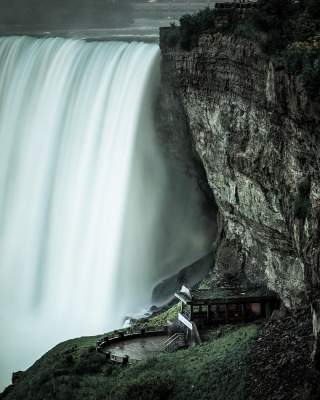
(188, 276)
(258, 137)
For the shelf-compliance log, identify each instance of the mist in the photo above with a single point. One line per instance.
(92, 215)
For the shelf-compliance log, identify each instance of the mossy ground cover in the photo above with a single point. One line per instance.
(74, 371)
(159, 319)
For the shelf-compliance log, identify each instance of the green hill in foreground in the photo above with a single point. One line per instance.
(258, 361)
(73, 370)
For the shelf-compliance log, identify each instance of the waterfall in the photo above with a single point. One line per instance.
(83, 191)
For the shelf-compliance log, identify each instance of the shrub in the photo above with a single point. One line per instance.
(246, 31)
(189, 31)
(285, 21)
(313, 8)
(89, 363)
(271, 14)
(294, 60)
(273, 42)
(281, 21)
(305, 61)
(192, 26)
(311, 74)
(304, 28)
(172, 36)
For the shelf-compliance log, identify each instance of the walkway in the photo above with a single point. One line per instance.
(137, 349)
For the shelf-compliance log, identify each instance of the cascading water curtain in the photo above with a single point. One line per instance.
(69, 114)
(82, 186)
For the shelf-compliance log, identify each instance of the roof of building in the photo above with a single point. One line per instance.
(227, 295)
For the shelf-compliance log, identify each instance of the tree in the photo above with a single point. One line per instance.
(313, 8)
(272, 14)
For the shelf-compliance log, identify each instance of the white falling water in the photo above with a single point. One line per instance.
(82, 192)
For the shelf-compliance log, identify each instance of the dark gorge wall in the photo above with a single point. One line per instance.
(257, 135)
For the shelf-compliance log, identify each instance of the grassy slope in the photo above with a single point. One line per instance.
(73, 370)
(159, 319)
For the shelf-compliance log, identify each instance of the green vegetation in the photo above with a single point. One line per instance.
(288, 30)
(74, 371)
(192, 25)
(303, 58)
(160, 319)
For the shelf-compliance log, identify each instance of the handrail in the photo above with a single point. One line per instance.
(172, 338)
(130, 333)
(174, 342)
(125, 334)
(187, 314)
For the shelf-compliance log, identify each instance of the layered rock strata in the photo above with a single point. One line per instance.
(257, 134)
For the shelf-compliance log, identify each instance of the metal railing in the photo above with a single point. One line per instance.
(130, 333)
(125, 334)
(174, 342)
(186, 313)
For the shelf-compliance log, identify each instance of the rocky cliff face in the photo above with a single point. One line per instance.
(258, 136)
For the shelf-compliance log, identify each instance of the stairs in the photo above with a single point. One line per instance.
(174, 342)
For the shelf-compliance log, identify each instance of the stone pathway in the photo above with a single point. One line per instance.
(137, 349)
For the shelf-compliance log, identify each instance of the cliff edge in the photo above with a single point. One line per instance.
(257, 133)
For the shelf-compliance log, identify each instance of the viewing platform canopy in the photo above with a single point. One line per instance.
(224, 295)
(226, 304)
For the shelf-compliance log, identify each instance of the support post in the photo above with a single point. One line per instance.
(226, 314)
(268, 309)
(243, 312)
